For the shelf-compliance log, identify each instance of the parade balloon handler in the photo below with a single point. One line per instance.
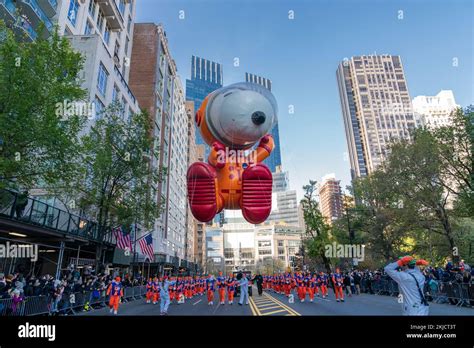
(165, 295)
(232, 120)
(115, 291)
(243, 282)
(410, 281)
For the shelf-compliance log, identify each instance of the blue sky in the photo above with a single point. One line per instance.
(301, 56)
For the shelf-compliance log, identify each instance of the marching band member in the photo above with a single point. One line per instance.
(210, 287)
(324, 283)
(156, 290)
(149, 290)
(287, 285)
(115, 291)
(338, 281)
(221, 288)
(202, 285)
(230, 283)
(300, 287)
(311, 286)
(305, 289)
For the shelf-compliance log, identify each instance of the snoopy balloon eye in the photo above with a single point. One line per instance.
(232, 120)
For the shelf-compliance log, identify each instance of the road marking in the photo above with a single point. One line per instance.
(252, 303)
(196, 302)
(274, 312)
(272, 307)
(215, 310)
(268, 305)
(289, 309)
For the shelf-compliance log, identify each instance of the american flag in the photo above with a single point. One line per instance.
(146, 246)
(124, 240)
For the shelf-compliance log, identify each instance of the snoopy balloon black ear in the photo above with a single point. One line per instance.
(234, 121)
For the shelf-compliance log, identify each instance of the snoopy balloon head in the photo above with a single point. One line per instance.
(232, 120)
(237, 116)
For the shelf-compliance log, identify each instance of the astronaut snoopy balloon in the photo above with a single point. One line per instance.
(232, 120)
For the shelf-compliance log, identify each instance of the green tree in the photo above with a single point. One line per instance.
(118, 184)
(316, 229)
(455, 148)
(416, 169)
(38, 144)
(381, 215)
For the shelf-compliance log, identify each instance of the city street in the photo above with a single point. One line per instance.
(271, 304)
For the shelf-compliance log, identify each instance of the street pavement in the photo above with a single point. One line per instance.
(272, 304)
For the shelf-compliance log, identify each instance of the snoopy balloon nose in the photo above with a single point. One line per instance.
(258, 118)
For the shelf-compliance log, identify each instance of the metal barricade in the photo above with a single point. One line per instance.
(393, 288)
(128, 294)
(8, 308)
(69, 303)
(37, 305)
(376, 286)
(464, 291)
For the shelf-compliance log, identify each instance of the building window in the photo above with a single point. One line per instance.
(92, 6)
(102, 79)
(129, 24)
(115, 93)
(88, 29)
(124, 107)
(122, 7)
(73, 11)
(99, 107)
(100, 21)
(107, 34)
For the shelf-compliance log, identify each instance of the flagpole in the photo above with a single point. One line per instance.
(134, 248)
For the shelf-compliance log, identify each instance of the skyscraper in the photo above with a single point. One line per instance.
(330, 198)
(158, 88)
(274, 160)
(284, 208)
(281, 182)
(376, 108)
(434, 111)
(206, 77)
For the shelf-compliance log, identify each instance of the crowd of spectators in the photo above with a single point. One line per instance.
(365, 281)
(18, 287)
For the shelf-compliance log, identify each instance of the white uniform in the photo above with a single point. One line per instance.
(244, 290)
(411, 304)
(165, 295)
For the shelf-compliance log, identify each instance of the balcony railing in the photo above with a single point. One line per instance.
(15, 206)
(8, 9)
(24, 25)
(112, 14)
(125, 84)
(36, 15)
(49, 7)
